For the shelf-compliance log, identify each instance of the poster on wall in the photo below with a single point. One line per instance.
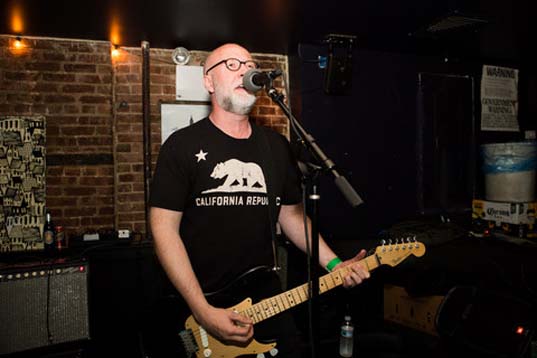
(189, 84)
(499, 99)
(22, 182)
(180, 114)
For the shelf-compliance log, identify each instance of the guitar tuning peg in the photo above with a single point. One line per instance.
(383, 245)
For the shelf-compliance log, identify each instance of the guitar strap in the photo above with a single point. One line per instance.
(266, 163)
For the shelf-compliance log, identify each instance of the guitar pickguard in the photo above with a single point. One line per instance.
(210, 347)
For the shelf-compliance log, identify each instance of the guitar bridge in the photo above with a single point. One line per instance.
(189, 342)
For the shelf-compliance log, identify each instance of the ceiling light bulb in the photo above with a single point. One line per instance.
(180, 56)
(115, 51)
(18, 43)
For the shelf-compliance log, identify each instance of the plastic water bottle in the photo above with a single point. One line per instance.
(346, 339)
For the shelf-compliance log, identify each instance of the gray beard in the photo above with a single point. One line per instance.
(236, 105)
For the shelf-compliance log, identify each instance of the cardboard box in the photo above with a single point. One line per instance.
(515, 219)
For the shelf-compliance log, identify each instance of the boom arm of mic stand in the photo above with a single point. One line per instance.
(309, 142)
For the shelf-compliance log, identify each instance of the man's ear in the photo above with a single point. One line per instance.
(208, 83)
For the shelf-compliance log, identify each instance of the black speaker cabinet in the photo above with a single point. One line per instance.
(43, 305)
(338, 75)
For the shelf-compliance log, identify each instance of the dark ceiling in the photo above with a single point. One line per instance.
(278, 26)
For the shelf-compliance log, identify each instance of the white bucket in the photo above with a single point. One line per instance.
(509, 170)
(510, 187)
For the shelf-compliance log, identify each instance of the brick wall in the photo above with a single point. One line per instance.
(93, 108)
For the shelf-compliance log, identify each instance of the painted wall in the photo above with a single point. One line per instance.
(406, 136)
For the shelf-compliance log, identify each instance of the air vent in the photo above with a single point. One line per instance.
(456, 21)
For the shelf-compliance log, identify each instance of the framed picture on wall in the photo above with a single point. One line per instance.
(180, 114)
(22, 182)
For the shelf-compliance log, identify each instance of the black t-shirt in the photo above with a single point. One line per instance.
(219, 183)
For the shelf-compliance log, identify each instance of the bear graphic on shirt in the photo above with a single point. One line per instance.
(239, 176)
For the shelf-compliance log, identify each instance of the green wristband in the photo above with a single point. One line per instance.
(333, 263)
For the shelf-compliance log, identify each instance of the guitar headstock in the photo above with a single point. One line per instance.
(394, 253)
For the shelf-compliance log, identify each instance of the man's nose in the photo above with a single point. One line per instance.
(243, 69)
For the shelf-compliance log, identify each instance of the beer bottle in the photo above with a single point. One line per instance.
(48, 234)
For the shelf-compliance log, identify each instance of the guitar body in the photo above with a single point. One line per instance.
(212, 347)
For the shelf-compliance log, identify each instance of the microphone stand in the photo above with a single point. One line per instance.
(343, 185)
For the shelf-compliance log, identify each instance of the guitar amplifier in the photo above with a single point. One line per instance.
(43, 305)
(414, 312)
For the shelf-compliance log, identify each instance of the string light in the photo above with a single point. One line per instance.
(115, 51)
(17, 46)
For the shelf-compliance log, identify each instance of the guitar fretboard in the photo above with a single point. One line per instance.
(270, 307)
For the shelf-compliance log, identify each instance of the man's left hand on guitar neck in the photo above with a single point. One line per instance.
(356, 271)
(291, 220)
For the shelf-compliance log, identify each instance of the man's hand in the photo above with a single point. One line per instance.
(226, 325)
(357, 273)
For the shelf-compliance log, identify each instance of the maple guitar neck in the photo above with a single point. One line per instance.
(270, 307)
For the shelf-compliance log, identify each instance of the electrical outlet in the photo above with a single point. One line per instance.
(91, 237)
(123, 234)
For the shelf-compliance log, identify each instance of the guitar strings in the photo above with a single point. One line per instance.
(336, 278)
(272, 310)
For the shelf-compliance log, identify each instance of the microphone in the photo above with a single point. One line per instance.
(254, 79)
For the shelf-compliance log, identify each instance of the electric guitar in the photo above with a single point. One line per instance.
(200, 344)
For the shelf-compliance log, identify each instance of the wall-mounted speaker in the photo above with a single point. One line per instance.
(43, 305)
(338, 75)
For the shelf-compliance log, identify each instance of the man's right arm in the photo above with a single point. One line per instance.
(174, 259)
